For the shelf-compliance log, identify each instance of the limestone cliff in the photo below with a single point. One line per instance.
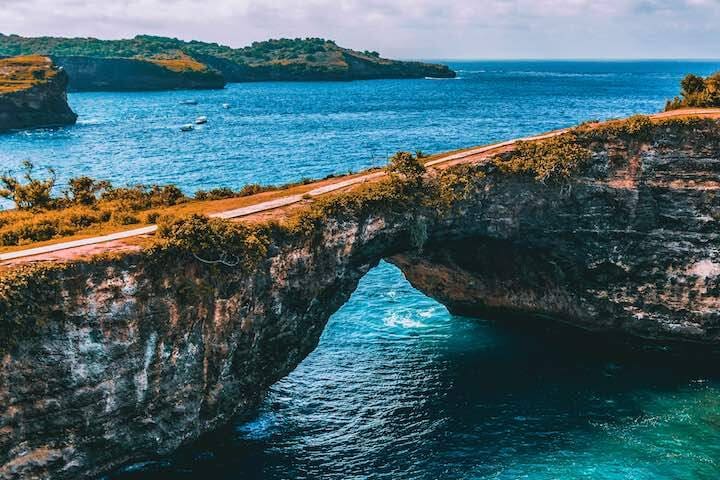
(630, 246)
(117, 358)
(121, 64)
(33, 94)
(126, 74)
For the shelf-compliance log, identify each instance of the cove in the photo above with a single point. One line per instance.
(399, 388)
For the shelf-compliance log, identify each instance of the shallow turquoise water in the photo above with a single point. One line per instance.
(399, 388)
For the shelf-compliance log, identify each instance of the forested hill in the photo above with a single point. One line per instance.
(283, 59)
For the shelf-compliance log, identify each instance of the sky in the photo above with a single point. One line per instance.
(421, 29)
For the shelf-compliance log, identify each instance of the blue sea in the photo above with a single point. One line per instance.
(398, 388)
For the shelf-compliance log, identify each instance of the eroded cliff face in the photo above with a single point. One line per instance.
(125, 74)
(631, 246)
(33, 94)
(130, 356)
(140, 357)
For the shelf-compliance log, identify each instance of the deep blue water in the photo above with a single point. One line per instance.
(398, 388)
(280, 132)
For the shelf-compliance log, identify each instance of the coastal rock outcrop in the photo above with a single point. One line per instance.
(127, 74)
(121, 357)
(33, 94)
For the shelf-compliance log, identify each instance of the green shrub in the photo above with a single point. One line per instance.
(214, 241)
(215, 194)
(152, 217)
(85, 190)
(697, 92)
(550, 159)
(406, 165)
(122, 217)
(141, 197)
(82, 217)
(33, 193)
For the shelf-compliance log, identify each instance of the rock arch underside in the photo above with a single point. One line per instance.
(127, 360)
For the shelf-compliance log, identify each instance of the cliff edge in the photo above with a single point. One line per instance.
(119, 357)
(33, 94)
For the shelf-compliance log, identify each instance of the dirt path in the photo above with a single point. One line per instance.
(85, 246)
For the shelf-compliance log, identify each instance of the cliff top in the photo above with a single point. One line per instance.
(311, 53)
(92, 226)
(22, 73)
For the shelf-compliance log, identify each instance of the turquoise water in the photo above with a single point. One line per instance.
(280, 132)
(399, 388)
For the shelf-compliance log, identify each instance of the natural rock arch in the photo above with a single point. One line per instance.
(130, 360)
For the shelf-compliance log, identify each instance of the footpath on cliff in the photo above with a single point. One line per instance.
(258, 209)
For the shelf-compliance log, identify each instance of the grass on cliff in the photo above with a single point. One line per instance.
(549, 159)
(22, 73)
(89, 207)
(178, 62)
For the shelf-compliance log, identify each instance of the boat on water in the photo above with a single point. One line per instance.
(226, 105)
(187, 128)
(200, 120)
(189, 102)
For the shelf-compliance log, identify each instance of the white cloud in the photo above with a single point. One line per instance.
(406, 28)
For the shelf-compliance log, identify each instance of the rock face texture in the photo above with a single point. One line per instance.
(33, 94)
(631, 246)
(124, 74)
(126, 358)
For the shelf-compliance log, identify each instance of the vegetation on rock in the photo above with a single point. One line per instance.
(90, 206)
(697, 92)
(22, 73)
(308, 58)
(549, 159)
(406, 165)
(83, 204)
(87, 204)
(214, 241)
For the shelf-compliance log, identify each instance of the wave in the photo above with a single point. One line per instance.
(396, 320)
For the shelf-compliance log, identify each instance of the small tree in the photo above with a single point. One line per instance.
(406, 165)
(692, 84)
(85, 190)
(33, 194)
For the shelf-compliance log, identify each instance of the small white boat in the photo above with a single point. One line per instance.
(200, 120)
(226, 105)
(187, 128)
(189, 102)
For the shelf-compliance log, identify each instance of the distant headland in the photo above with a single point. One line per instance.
(159, 63)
